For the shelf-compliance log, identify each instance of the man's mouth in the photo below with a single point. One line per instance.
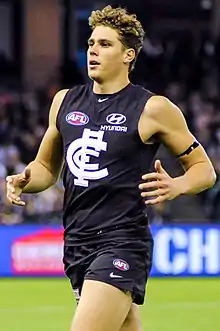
(93, 63)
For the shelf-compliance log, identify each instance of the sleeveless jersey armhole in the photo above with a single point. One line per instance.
(152, 140)
(64, 101)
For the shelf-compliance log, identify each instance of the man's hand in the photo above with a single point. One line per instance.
(15, 185)
(162, 186)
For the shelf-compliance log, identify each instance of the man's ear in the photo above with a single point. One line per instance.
(129, 55)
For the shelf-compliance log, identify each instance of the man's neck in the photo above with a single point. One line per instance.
(109, 87)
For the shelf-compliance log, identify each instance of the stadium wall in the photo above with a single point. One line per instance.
(185, 251)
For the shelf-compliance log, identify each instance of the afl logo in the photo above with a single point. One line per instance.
(121, 265)
(77, 118)
(116, 119)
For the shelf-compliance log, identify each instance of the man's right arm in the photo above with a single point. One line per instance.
(45, 169)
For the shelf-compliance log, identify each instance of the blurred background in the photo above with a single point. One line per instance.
(42, 50)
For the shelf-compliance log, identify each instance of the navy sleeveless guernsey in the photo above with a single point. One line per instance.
(104, 159)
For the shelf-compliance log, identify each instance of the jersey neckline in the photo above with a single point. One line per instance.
(104, 96)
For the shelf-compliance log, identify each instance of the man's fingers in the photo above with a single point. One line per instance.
(18, 203)
(153, 184)
(10, 188)
(14, 186)
(13, 197)
(154, 193)
(159, 168)
(19, 179)
(9, 179)
(159, 199)
(15, 200)
(153, 175)
(157, 165)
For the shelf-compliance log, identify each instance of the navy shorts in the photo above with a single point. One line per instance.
(125, 264)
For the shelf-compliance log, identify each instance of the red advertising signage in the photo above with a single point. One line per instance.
(38, 253)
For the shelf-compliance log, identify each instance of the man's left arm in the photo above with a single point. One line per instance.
(171, 129)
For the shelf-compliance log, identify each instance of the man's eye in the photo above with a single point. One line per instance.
(105, 44)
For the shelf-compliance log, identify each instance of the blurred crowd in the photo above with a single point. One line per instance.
(185, 68)
(23, 120)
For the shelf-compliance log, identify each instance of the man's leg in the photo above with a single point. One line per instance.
(133, 320)
(102, 307)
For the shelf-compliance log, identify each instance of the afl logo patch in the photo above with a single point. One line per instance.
(77, 118)
(121, 264)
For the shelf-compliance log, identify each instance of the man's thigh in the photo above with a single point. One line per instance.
(102, 307)
(133, 320)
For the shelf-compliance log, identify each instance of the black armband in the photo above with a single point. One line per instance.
(189, 149)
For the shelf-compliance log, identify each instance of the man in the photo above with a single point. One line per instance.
(108, 133)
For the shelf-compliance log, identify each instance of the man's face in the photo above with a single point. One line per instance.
(106, 54)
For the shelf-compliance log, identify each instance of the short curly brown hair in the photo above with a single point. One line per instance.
(128, 27)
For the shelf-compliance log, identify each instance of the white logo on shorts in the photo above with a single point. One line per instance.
(112, 275)
(121, 264)
(78, 157)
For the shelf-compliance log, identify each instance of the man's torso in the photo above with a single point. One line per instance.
(104, 159)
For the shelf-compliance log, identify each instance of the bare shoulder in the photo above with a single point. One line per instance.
(56, 104)
(163, 111)
(160, 116)
(158, 101)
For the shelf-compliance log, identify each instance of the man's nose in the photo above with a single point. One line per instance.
(93, 50)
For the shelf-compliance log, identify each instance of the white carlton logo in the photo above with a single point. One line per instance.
(78, 157)
(116, 119)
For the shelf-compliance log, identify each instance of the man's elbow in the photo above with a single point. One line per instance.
(211, 178)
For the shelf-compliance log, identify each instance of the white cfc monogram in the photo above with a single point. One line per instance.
(78, 157)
